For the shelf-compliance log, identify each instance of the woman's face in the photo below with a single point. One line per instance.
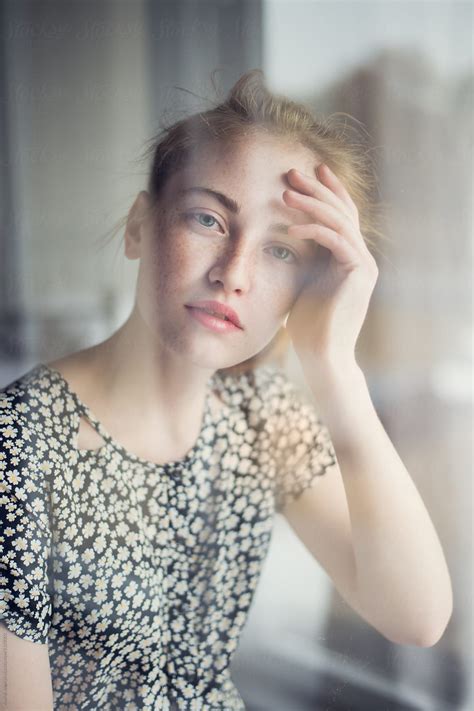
(220, 236)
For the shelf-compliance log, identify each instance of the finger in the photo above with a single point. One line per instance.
(309, 185)
(322, 213)
(331, 180)
(342, 250)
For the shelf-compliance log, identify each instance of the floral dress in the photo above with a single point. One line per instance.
(139, 576)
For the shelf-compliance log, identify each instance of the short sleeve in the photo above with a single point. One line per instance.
(25, 540)
(300, 444)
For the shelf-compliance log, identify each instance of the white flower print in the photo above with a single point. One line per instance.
(124, 568)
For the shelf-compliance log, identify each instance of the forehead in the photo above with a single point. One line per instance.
(252, 169)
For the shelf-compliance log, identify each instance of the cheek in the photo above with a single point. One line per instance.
(168, 265)
(274, 297)
(286, 284)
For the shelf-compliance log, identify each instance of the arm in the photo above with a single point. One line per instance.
(400, 580)
(393, 565)
(25, 676)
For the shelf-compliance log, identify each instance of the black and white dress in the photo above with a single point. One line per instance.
(140, 576)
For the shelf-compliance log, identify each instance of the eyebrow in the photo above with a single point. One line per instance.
(233, 206)
(225, 200)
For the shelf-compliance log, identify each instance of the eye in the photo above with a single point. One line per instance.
(203, 219)
(283, 254)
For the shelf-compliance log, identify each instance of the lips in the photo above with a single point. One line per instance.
(216, 308)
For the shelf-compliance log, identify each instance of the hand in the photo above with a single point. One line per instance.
(327, 317)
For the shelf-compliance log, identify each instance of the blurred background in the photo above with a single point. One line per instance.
(84, 84)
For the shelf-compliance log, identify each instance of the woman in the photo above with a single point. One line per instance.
(141, 476)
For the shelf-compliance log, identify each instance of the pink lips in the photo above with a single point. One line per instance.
(217, 308)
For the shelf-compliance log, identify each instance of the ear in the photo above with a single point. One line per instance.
(135, 223)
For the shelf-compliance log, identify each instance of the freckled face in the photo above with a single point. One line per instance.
(201, 248)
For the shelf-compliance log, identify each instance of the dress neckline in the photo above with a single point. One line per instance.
(112, 444)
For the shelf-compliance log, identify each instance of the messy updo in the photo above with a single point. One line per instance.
(250, 107)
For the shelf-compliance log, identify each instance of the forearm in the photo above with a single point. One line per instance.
(403, 583)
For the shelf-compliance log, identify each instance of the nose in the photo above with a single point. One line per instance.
(233, 269)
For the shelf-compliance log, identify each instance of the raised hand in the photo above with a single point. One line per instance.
(326, 319)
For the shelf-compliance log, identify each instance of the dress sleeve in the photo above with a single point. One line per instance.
(25, 540)
(300, 444)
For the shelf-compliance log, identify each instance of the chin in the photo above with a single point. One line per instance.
(212, 357)
(214, 351)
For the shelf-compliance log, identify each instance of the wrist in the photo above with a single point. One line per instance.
(342, 399)
(332, 369)
(335, 382)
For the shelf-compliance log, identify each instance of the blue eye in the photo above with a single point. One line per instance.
(287, 252)
(208, 221)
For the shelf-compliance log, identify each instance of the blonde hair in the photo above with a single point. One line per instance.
(249, 107)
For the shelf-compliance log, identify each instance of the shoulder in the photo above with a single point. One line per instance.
(29, 389)
(20, 404)
(35, 413)
(263, 392)
(26, 450)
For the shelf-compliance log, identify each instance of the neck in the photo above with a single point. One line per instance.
(145, 382)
